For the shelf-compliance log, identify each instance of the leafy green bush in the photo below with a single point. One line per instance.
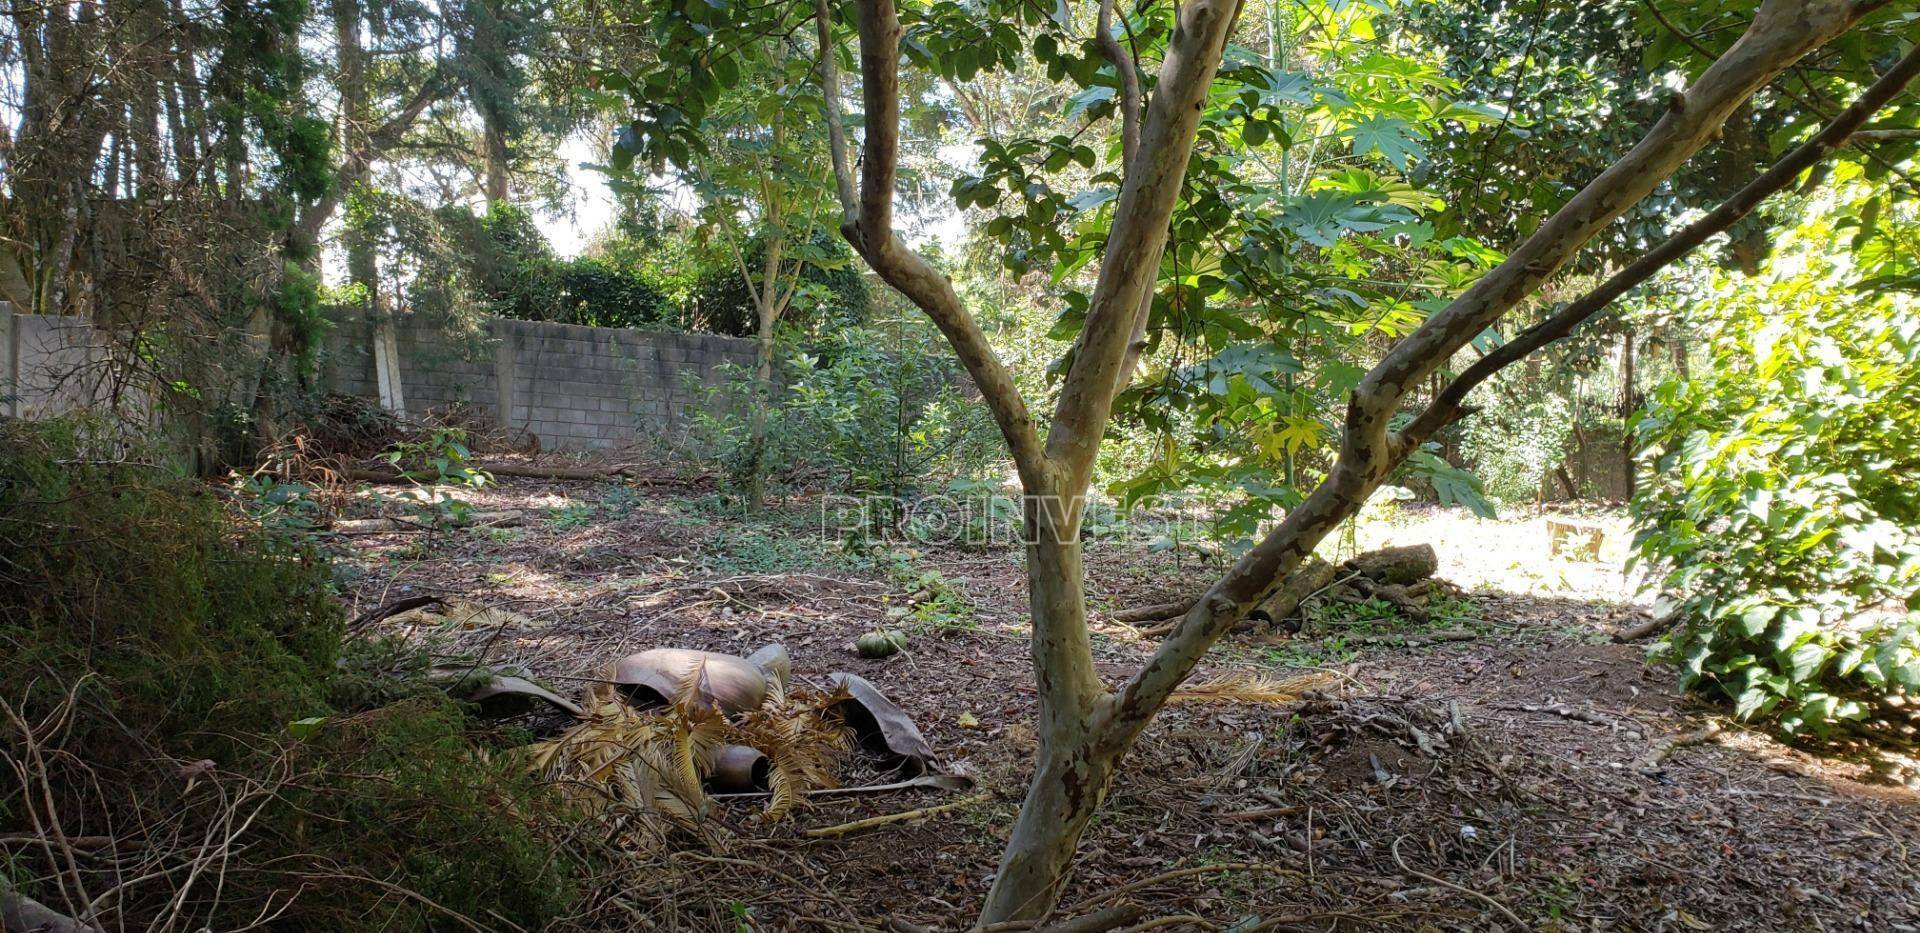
(875, 413)
(515, 270)
(1781, 512)
(833, 294)
(599, 294)
(1514, 443)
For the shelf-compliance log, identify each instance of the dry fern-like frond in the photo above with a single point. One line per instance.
(655, 763)
(1250, 687)
(804, 746)
(651, 762)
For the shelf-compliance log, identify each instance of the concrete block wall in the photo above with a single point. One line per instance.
(50, 365)
(575, 387)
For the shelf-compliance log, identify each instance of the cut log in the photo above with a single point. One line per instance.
(1311, 577)
(1385, 573)
(1401, 566)
(1155, 612)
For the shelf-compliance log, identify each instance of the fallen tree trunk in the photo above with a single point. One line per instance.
(1385, 573)
(1312, 577)
(1153, 613)
(1396, 566)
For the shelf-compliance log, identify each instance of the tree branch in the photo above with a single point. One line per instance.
(872, 234)
(1782, 31)
(1129, 71)
(1864, 137)
(1129, 266)
(1448, 406)
(836, 126)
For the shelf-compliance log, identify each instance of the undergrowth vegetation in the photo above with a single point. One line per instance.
(174, 704)
(1782, 516)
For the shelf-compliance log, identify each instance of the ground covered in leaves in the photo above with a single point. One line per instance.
(1503, 766)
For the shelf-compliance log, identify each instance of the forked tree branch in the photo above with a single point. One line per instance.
(1781, 32)
(836, 125)
(871, 233)
(1448, 406)
(1128, 71)
(1131, 261)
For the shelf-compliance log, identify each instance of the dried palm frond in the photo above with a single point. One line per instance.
(804, 744)
(655, 762)
(650, 762)
(1251, 687)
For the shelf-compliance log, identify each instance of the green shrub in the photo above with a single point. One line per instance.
(189, 625)
(597, 293)
(402, 795)
(1513, 444)
(202, 650)
(1781, 513)
(875, 413)
(833, 294)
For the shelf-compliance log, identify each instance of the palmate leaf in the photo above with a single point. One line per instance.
(1321, 217)
(1392, 138)
(1453, 485)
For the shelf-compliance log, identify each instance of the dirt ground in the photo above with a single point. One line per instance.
(1508, 775)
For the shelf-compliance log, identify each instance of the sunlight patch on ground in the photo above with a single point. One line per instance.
(1509, 554)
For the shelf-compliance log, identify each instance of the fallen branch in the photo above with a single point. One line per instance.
(625, 472)
(382, 612)
(1435, 879)
(1651, 626)
(394, 525)
(1100, 921)
(1264, 813)
(946, 782)
(1658, 754)
(872, 821)
(1568, 712)
(1418, 639)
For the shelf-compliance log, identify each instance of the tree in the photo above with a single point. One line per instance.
(1085, 728)
(757, 167)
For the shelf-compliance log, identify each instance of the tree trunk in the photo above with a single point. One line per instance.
(763, 399)
(1083, 730)
(1076, 763)
(767, 312)
(497, 161)
(1629, 403)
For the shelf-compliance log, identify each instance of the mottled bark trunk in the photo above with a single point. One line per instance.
(1075, 765)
